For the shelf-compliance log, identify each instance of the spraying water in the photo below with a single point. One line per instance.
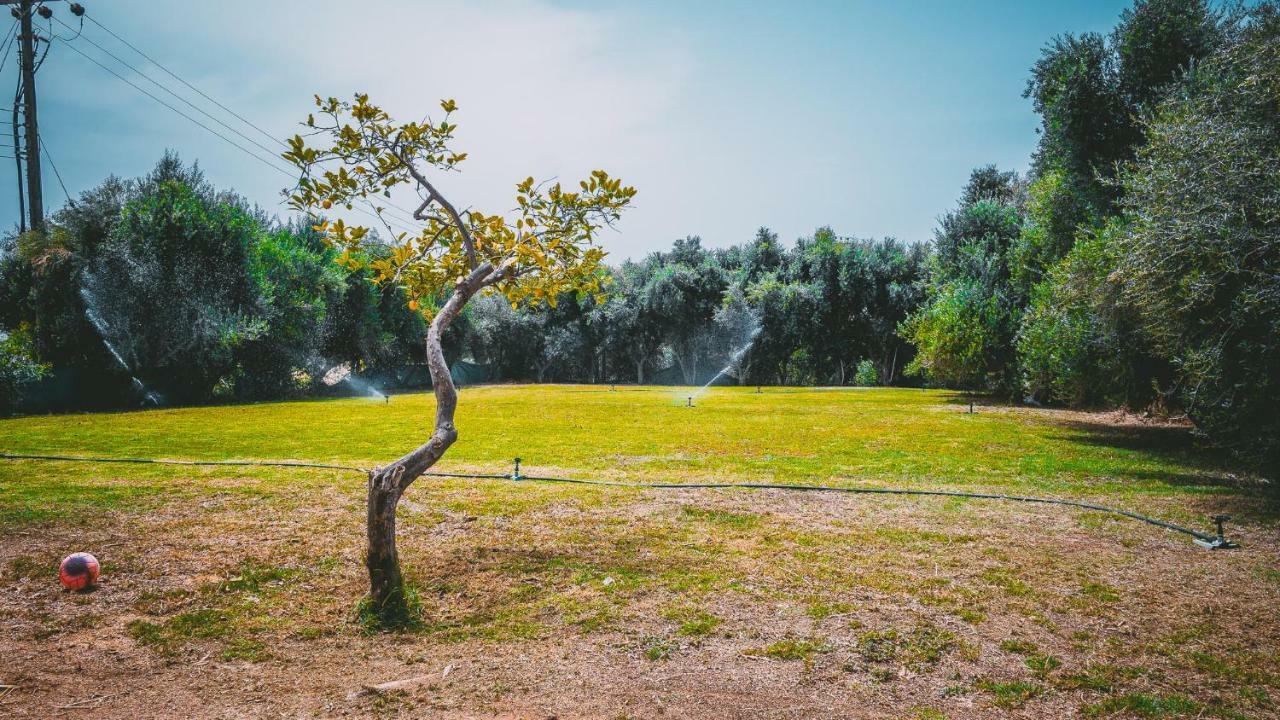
(734, 358)
(149, 397)
(342, 374)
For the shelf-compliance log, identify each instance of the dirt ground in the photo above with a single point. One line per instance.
(824, 607)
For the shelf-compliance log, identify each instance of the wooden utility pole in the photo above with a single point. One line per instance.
(24, 10)
(35, 199)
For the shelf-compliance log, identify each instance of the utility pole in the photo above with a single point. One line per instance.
(35, 199)
(24, 11)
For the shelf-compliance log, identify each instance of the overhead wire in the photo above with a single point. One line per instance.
(144, 91)
(270, 163)
(406, 216)
(49, 156)
(7, 43)
(156, 83)
(393, 217)
(226, 139)
(175, 76)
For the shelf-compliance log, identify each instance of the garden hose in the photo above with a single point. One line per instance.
(1203, 539)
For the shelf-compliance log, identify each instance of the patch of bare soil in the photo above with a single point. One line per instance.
(594, 604)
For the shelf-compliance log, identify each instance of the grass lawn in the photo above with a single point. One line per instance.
(230, 591)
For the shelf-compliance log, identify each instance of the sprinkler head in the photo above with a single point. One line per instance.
(689, 401)
(1220, 542)
(1219, 520)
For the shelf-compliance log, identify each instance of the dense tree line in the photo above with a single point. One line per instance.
(164, 289)
(763, 313)
(1139, 263)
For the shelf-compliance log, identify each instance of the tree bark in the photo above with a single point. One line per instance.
(387, 599)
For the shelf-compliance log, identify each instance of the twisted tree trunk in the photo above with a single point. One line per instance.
(387, 601)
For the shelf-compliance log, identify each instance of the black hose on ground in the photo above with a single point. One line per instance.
(1209, 540)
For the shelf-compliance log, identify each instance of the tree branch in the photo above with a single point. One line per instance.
(433, 194)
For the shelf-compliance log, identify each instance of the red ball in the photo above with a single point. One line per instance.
(78, 571)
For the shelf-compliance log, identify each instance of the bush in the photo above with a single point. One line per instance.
(18, 365)
(1201, 262)
(297, 283)
(866, 375)
(1079, 343)
(172, 291)
(958, 336)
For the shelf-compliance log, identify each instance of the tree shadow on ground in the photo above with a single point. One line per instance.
(1195, 463)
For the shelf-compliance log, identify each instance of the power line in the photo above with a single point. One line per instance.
(395, 224)
(79, 30)
(7, 43)
(228, 140)
(175, 76)
(142, 90)
(56, 174)
(407, 216)
(17, 161)
(151, 80)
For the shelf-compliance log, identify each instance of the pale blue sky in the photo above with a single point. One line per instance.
(866, 116)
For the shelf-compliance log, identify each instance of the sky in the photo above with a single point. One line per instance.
(726, 116)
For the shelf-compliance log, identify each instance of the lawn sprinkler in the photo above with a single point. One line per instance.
(757, 389)
(78, 571)
(515, 474)
(688, 402)
(1220, 542)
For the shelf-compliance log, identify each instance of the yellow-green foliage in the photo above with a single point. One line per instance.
(358, 153)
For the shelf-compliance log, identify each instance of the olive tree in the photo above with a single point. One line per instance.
(354, 153)
(1200, 264)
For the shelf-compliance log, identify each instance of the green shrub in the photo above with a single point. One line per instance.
(867, 375)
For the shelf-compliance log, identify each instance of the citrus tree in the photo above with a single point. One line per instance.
(353, 154)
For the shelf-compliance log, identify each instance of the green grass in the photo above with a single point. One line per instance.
(231, 613)
(883, 436)
(1009, 695)
(919, 649)
(790, 649)
(1145, 706)
(693, 622)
